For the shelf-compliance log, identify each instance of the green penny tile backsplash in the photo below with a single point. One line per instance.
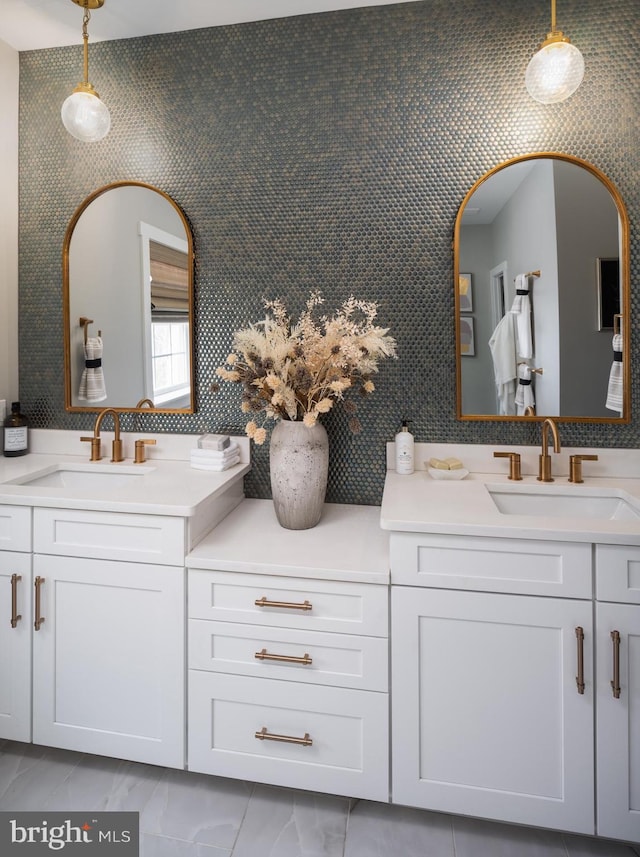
(325, 151)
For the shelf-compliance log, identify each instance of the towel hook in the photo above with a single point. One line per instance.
(84, 323)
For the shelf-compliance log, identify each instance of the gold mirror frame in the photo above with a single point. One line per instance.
(143, 405)
(625, 303)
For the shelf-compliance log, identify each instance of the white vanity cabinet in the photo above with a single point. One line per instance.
(288, 667)
(108, 655)
(15, 623)
(487, 716)
(502, 704)
(618, 691)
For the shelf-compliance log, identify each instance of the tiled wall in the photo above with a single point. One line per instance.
(328, 151)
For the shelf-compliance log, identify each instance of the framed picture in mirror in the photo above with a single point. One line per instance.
(608, 284)
(464, 292)
(467, 339)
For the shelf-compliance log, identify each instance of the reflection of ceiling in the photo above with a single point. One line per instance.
(33, 24)
(488, 199)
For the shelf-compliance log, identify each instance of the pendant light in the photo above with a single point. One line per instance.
(556, 70)
(83, 114)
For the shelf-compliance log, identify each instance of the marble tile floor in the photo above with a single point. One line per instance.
(192, 815)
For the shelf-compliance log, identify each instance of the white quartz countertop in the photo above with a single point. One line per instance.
(347, 544)
(419, 503)
(167, 487)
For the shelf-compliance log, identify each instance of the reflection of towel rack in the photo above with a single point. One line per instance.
(531, 274)
(617, 323)
(537, 371)
(85, 322)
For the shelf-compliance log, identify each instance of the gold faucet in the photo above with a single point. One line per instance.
(96, 451)
(544, 473)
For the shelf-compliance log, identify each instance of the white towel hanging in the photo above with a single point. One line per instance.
(503, 353)
(521, 308)
(92, 386)
(615, 389)
(524, 394)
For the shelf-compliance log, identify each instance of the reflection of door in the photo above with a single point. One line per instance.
(498, 279)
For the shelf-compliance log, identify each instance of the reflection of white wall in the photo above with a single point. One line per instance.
(9, 223)
(478, 388)
(587, 222)
(105, 276)
(524, 235)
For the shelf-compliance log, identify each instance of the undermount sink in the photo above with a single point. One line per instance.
(82, 476)
(561, 503)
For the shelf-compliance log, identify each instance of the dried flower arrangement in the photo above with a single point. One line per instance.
(298, 370)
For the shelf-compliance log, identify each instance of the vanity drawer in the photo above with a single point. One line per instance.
(15, 528)
(339, 660)
(110, 535)
(618, 573)
(347, 729)
(289, 602)
(517, 566)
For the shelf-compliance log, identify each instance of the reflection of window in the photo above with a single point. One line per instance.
(169, 323)
(169, 359)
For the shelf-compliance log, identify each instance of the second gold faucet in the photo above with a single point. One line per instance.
(544, 472)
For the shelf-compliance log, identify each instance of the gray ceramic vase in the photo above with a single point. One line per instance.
(299, 462)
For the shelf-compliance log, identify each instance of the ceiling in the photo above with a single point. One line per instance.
(34, 24)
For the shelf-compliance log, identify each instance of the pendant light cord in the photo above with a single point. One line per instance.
(85, 35)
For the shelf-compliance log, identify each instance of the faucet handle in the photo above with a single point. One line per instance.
(514, 463)
(575, 466)
(116, 450)
(96, 452)
(139, 448)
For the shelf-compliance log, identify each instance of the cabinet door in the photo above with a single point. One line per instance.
(618, 717)
(487, 719)
(108, 660)
(15, 646)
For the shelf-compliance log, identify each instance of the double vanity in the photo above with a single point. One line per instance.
(470, 647)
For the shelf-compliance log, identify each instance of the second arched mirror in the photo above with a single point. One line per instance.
(554, 228)
(128, 302)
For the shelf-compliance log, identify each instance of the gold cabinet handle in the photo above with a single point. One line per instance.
(580, 676)
(264, 735)
(615, 682)
(15, 616)
(39, 619)
(289, 659)
(289, 605)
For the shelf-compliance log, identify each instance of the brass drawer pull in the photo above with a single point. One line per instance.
(289, 605)
(580, 676)
(15, 616)
(263, 735)
(615, 683)
(39, 619)
(289, 659)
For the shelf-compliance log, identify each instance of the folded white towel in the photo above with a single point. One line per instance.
(615, 390)
(215, 454)
(215, 466)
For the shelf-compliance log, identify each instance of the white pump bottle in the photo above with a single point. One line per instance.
(404, 450)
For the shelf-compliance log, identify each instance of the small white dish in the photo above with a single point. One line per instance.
(460, 473)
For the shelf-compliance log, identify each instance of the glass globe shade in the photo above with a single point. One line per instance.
(555, 72)
(86, 117)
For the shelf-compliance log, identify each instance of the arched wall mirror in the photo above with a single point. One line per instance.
(128, 302)
(555, 229)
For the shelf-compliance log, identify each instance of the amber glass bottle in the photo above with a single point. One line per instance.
(16, 432)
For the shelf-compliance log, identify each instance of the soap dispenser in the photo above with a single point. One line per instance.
(404, 450)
